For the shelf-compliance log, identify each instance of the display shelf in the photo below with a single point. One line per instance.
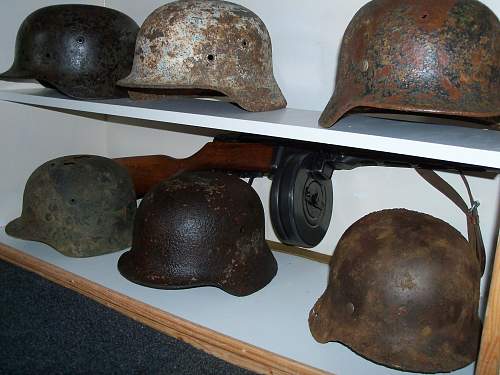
(459, 144)
(272, 321)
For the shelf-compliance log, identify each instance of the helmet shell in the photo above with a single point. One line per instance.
(423, 56)
(81, 50)
(81, 205)
(403, 291)
(210, 45)
(200, 229)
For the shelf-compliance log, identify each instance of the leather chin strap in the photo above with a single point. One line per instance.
(473, 229)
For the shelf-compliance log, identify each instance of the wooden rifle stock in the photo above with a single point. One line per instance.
(147, 171)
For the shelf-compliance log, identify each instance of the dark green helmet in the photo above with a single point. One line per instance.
(80, 205)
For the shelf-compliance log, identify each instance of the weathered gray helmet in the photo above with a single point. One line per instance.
(404, 292)
(200, 229)
(80, 205)
(205, 48)
(81, 50)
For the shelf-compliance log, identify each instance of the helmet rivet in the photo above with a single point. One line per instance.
(350, 308)
(365, 65)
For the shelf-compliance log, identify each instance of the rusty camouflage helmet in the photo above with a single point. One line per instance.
(419, 56)
(81, 50)
(205, 48)
(200, 229)
(403, 291)
(82, 206)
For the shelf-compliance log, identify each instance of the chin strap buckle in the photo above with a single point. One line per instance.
(474, 207)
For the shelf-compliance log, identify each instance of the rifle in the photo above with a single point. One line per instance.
(259, 156)
(147, 171)
(301, 196)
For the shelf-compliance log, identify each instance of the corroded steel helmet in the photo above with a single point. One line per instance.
(81, 205)
(404, 292)
(205, 48)
(81, 50)
(200, 229)
(423, 56)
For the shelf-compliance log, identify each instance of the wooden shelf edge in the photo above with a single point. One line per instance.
(224, 347)
(299, 252)
(489, 355)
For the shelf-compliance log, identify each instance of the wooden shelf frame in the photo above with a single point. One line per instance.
(489, 356)
(269, 315)
(214, 343)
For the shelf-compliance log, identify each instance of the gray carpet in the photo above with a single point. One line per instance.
(47, 329)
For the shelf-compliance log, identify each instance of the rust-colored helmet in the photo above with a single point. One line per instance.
(404, 292)
(423, 56)
(81, 50)
(200, 229)
(82, 206)
(205, 48)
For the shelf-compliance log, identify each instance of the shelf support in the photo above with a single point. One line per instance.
(489, 355)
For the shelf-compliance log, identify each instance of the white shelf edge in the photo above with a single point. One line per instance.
(471, 146)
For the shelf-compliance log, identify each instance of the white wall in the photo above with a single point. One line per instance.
(306, 37)
(30, 136)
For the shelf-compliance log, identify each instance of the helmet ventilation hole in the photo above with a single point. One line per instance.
(69, 163)
(210, 57)
(350, 308)
(365, 65)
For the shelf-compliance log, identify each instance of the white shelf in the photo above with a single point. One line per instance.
(274, 318)
(459, 144)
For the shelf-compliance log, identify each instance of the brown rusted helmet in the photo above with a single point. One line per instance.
(205, 48)
(200, 229)
(82, 206)
(423, 56)
(81, 50)
(404, 292)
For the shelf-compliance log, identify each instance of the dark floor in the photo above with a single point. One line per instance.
(47, 329)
